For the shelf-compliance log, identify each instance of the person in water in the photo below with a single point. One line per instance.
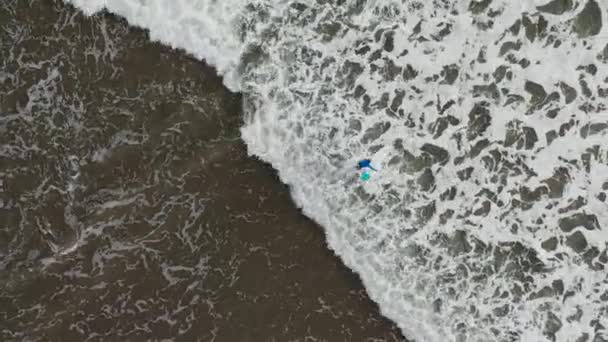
(365, 163)
(362, 165)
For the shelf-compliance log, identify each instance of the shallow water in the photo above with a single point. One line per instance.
(129, 209)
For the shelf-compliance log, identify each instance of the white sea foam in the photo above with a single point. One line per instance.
(314, 105)
(203, 28)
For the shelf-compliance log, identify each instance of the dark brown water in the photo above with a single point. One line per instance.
(129, 209)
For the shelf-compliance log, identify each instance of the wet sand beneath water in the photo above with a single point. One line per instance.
(130, 209)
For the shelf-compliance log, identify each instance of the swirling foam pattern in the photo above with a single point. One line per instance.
(487, 220)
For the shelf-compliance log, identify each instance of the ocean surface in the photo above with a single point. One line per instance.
(130, 210)
(487, 120)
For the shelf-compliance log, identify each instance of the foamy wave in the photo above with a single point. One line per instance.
(487, 120)
(204, 29)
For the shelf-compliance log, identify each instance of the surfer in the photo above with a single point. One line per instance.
(362, 165)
